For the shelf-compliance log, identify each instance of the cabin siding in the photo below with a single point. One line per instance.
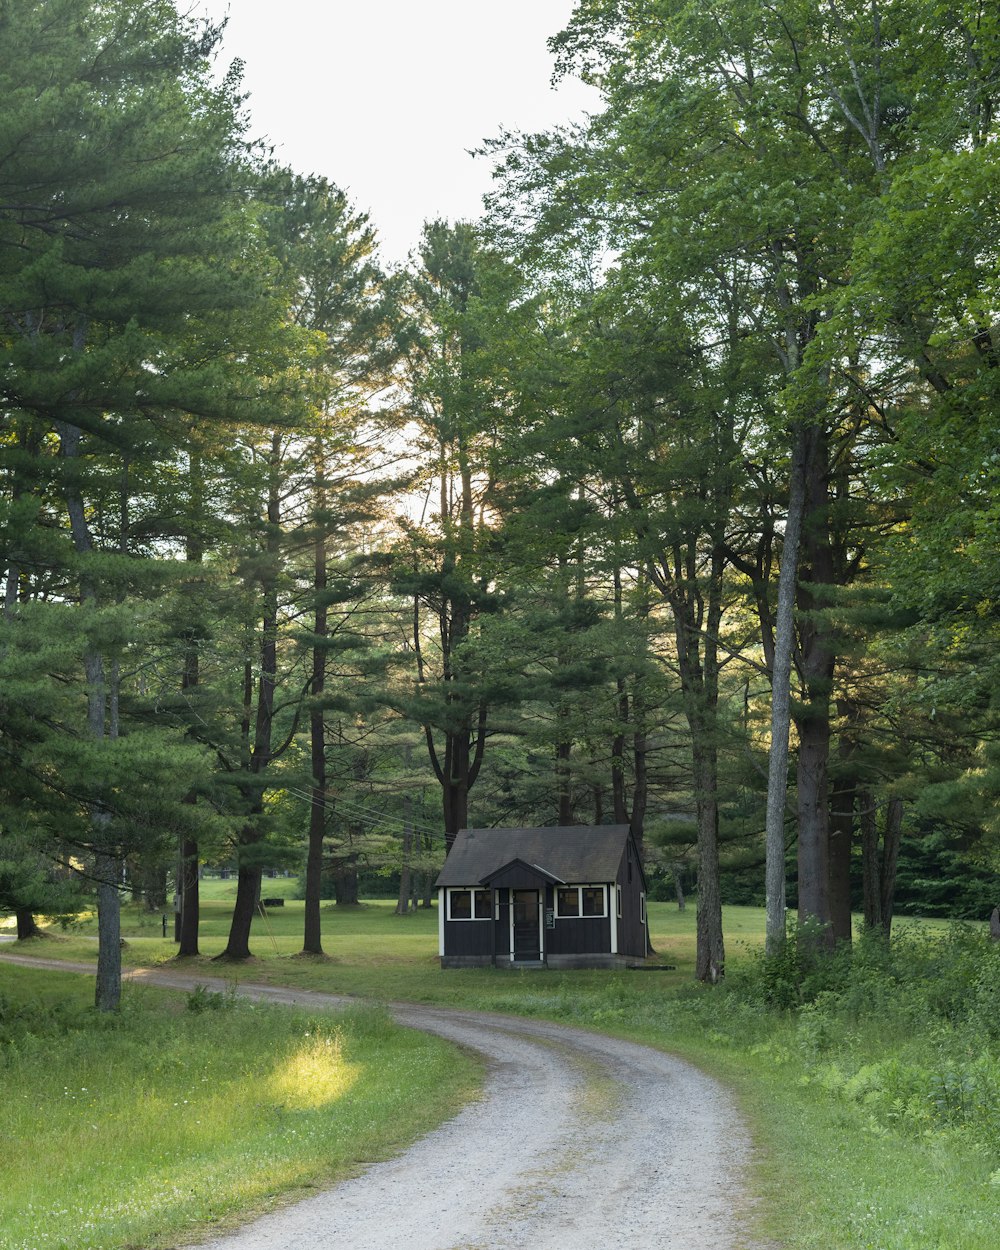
(582, 935)
(632, 883)
(467, 937)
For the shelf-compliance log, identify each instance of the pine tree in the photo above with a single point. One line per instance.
(126, 280)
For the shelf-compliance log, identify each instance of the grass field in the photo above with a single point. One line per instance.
(370, 951)
(873, 1097)
(136, 1130)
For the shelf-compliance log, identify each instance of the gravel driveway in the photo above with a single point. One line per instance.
(579, 1140)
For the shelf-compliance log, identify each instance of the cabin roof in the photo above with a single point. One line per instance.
(566, 853)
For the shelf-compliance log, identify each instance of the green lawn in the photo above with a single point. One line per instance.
(370, 951)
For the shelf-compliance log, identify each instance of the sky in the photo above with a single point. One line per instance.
(386, 97)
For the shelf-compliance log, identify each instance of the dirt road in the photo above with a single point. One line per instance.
(578, 1140)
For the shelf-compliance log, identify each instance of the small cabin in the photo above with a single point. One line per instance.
(559, 897)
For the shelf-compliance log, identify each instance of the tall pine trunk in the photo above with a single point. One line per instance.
(312, 939)
(403, 899)
(880, 862)
(26, 925)
(839, 858)
(107, 856)
(816, 666)
(781, 686)
(697, 617)
(188, 884)
(260, 754)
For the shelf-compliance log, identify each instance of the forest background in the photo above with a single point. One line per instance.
(683, 456)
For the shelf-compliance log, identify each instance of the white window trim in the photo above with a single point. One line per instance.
(473, 890)
(579, 901)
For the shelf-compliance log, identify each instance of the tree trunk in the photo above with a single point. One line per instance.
(188, 884)
(841, 841)
(816, 663)
(678, 871)
(456, 788)
(107, 869)
(345, 886)
(190, 898)
(710, 960)
(880, 869)
(871, 875)
(403, 899)
(248, 887)
(890, 858)
(151, 886)
(813, 819)
(107, 995)
(312, 941)
(244, 910)
(26, 926)
(640, 784)
(781, 683)
(564, 789)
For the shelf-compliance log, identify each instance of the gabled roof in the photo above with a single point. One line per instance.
(535, 870)
(572, 853)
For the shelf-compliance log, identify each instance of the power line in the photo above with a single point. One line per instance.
(365, 814)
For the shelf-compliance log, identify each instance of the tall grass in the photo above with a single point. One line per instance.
(120, 1131)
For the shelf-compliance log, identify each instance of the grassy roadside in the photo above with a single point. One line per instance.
(874, 1094)
(143, 1129)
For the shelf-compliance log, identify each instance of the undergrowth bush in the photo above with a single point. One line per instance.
(906, 1032)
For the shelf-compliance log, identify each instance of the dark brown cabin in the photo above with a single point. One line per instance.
(562, 897)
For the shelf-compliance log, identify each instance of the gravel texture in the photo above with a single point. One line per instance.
(578, 1140)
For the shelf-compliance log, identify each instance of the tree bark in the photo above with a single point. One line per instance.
(107, 858)
(26, 925)
(891, 839)
(188, 884)
(816, 665)
(260, 757)
(345, 886)
(403, 899)
(678, 871)
(564, 790)
(312, 941)
(880, 869)
(190, 898)
(710, 959)
(841, 841)
(781, 683)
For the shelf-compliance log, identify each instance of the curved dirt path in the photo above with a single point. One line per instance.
(577, 1139)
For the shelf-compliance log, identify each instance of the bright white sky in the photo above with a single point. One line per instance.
(385, 97)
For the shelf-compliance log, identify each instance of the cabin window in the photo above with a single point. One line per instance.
(580, 900)
(618, 894)
(568, 902)
(642, 909)
(593, 900)
(470, 905)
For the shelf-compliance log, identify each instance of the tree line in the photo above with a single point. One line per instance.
(664, 495)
